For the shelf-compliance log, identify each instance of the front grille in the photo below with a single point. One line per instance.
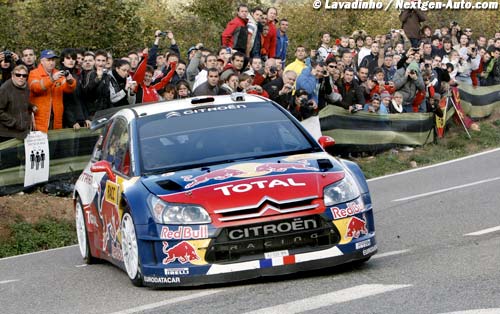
(247, 242)
(266, 207)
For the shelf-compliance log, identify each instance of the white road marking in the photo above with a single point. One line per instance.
(82, 265)
(39, 252)
(328, 299)
(446, 190)
(147, 307)
(477, 311)
(391, 253)
(484, 231)
(435, 165)
(7, 281)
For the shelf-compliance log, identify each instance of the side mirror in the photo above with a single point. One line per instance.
(326, 141)
(103, 166)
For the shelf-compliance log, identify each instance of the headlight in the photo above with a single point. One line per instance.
(341, 191)
(176, 213)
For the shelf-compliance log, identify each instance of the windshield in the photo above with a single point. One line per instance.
(217, 134)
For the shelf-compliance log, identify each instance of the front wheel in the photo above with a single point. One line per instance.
(81, 231)
(130, 250)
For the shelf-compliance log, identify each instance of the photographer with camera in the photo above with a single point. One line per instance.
(47, 86)
(8, 60)
(280, 89)
(408, 81)
(311, 80)
(73, 114)
(303, 107)
(411, 19)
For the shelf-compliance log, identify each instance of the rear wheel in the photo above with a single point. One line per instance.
(81, 231)
(130, 250)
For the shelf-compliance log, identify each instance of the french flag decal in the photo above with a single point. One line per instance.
(277, 261)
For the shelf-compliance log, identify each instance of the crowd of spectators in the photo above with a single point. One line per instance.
(404, 70)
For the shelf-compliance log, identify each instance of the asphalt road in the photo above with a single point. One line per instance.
(438, 231)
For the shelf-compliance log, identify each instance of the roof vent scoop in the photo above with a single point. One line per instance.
(169, 185)
(324, 164)
(238, 97)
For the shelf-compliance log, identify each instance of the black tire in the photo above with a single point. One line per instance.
(130, 250)
(82, 233)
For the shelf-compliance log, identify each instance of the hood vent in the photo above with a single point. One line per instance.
(325, 164)
(169, 185)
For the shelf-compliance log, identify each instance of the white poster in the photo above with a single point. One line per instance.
(312, 126)
(36, 152)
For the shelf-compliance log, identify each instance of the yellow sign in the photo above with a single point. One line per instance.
(111, 194)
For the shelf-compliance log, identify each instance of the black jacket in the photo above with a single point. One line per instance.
(15, 111)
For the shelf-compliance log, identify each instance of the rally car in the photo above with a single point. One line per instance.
(217, 189)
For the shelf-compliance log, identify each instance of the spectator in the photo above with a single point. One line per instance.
(117, 89)
(236, 66)
(182, 89)
(254, 29)
(396, 105)
(272, 14)
(388, 68)
(324, 49)
(8, 60)
(282, 41)
(310, 80)
(73, 115)
(492, 74)
(208, 62)
(385, 100)
(365, 50)
(280, 89)
(371, 61)
(148, 92)
(303, 107)
(211, 86)
(169, 93)
(408, 81)
(29, 58)
(375, 106)
(411, 19)
(231, 83)
(15, 108)
(47, 86)
(330, 90)
(352, 94)
(90, 84)
(299, 64)
(235, 35)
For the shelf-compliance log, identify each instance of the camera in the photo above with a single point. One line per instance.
(273, 69)
(473, 49)
(354, 109)
(66, 73)
(162, 34)
(412, 72)
(454, 23)
(324, 73)
(427, 65)
(7, 54)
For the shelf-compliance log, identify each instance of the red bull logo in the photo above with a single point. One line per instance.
(220, 174)
(183, 252)
(282, 167)
(356, 227)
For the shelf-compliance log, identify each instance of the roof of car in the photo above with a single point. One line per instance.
(195, 102)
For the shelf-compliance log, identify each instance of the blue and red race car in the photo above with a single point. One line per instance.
(218, 189)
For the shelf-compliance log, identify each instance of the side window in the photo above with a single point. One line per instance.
(116, 147)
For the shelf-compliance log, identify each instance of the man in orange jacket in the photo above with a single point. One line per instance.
(47, 86)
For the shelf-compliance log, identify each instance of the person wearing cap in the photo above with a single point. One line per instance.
(408, 81)
(47, 85)
(15, 108)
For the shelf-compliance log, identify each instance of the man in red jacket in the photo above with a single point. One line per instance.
(235, 35)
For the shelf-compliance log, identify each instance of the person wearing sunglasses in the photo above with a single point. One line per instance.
(15, 109)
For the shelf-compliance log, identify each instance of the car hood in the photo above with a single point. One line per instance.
(251, 190)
